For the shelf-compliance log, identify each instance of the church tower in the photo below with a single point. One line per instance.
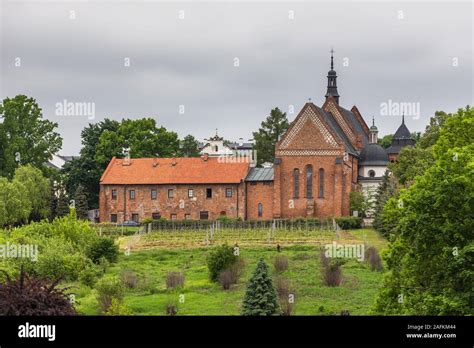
(332, 82)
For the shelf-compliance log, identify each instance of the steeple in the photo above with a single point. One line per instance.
(332, 83)
(373, 132)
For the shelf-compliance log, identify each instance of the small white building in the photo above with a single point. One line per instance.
(215, 147)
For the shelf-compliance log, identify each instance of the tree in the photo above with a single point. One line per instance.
(411, 162)
(37, 190)
(269, 134)
(387, 189)
(430, 258)
(62, 208)
(260, 297)
(189, 147)
(432, 130)
(25, 137)
(80, 199)
(15, 207)
(385, 141)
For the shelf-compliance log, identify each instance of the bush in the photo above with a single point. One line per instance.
(373, 258)
(171, 309)
(129, 279)
(220, 259)
(174, 280)
(225, 279)
(107, 290)
(280, 263)
(89, 276)
(284, 296)
(103, 247)
(33, 296)
(349, 222)
(118, 308)
(331, 269)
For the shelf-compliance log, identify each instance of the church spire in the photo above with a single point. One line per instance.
(332, 83)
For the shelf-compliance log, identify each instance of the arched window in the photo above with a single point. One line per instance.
(309, 181)
(296, 183)
(216, 148)
(321, 183)
(371, 173)
(260, 209)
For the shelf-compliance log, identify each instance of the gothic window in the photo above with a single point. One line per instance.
(296, 183)
(309, 181)
(321, 183)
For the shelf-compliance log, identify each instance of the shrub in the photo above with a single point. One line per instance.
(129, 278)
(220, 259)
(107, 290)
(349, 222)
(174, 280)
(284, 299)
(103, 247)
(171, 309)
(332, 273)
(280, 263)
(89, 276)
(373, 258)
(260, 297)
(118, 308)
(237, 269)
(225, 279)
(27, 295)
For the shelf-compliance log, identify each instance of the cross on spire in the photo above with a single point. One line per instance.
(332, 59)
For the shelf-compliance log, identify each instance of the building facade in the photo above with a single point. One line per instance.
(327, 152)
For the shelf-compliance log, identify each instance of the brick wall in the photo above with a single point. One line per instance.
(180, 204)
(261, 192)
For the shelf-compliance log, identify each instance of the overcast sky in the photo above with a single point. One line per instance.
(404, 52)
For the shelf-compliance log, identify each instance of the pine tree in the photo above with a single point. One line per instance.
(260, 297)
(82, 207)
(274, 126)
(62, 208)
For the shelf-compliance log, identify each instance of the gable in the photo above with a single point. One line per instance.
(309, 132)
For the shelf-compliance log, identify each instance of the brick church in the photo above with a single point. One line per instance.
(326, 153)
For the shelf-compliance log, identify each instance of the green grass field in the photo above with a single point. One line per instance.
(202, 297)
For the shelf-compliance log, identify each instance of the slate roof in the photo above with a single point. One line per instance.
(260, 174)
(373, 155)
(189, 170)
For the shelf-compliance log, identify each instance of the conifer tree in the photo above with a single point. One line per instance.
(260, 297)
(62, 208)
(81, 203)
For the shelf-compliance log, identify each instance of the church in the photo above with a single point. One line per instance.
(327, 152)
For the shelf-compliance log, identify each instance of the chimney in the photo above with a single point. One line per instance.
(205, 157)
(173, 161)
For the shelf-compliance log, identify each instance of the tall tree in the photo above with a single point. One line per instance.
(80, 199)
(26, 138)
(15, 207)
(37, 190)
(189, 147)
(62, 208)
(274, 126)
(260, 297)
(430, 258)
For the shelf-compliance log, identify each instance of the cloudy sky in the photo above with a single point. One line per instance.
(198, 66)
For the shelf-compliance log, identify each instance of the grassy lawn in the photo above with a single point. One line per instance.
(202, 297)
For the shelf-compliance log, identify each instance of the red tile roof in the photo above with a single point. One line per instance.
(185, 171)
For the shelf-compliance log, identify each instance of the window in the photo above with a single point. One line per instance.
(187, 216)
(113, 217)
(190, 193)
(132, 194)
(173, 217)
(209, 193)
(154, 193)
(321, 183)
(228, 192)
(114, 194)
(260, 209)
(309, 181)
(155, 216)
(216, 148)
(170, 193)
(296, 183)
(135, 218)
(371, 173)
(204, 215)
